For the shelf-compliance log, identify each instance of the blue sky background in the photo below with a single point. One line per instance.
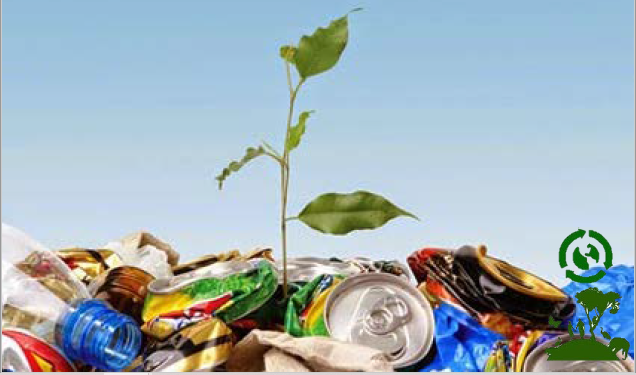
(509, 123)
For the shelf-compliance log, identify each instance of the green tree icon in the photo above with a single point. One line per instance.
(593, 300)
(577, 347)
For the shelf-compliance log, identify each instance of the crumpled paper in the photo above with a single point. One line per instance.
(279, 352)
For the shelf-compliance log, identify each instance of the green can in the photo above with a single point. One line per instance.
(305, 309)
(227, 290)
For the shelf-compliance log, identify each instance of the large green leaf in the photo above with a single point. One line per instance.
(321, 51)
(296, 132)
(342, 213)
(250, 154)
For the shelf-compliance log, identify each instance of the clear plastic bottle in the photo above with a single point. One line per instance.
(40, 295)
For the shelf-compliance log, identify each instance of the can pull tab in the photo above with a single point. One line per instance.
(386, 315)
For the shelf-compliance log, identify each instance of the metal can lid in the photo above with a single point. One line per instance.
(382, 311)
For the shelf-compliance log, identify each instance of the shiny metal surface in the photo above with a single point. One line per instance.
(367, 265)
(307, 268)
(218, 270)
(382, 311)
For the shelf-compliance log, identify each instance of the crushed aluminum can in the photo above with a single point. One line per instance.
(216, 271)
(537, 360)
(500, 296)
(305, 311)
(24, 352)
(393, 267)
(87, 264)
(204, 346)
(227, 290)
(521, 345)
(306, 269)
(208, 260)
(500, 359)
(385, 312)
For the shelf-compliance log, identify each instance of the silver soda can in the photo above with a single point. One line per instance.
(306, 269)
(218, 270)
(537, 360)
(366, 265)
(385, 312)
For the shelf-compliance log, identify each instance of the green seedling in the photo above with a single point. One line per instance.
(332, 213)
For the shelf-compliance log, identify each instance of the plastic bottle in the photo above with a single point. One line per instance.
(40, 295)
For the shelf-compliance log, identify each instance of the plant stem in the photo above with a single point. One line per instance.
(284, 173)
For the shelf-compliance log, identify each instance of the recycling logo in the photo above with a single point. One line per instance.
(581, 260)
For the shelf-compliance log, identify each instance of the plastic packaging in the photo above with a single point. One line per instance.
(41, 296)
(619, 279)
(462, 343)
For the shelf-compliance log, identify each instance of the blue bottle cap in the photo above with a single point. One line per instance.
(95, 334)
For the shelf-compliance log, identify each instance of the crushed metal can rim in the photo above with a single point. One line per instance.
(305, 269)
(385, 312)
(218, 270)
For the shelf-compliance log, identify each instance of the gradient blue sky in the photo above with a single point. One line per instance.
(509, 123)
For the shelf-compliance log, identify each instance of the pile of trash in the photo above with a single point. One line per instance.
(131, 306)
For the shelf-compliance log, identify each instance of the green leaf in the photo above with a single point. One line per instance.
(287, 53)
(342, 213)
(296, 132)
(250, 154)
(321, 51)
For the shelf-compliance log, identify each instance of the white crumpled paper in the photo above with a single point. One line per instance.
(279, 352)
(147, 252)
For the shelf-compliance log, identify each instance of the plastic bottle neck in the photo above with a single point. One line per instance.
(92, 332)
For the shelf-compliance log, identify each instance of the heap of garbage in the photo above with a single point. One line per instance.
(131, 306)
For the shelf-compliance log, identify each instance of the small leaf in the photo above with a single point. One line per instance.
(287, 53)
(321, 51)
(342, 213)
(250, 154)
(296, 132)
